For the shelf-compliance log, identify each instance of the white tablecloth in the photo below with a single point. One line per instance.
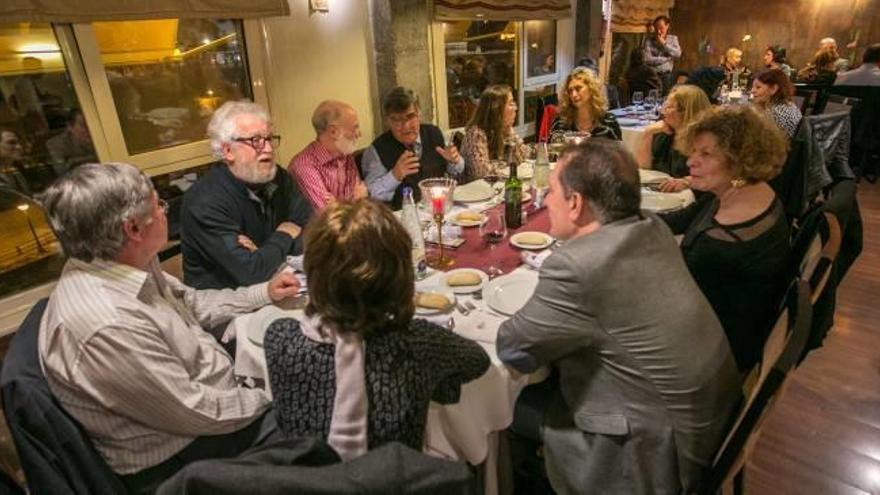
(632, 136)
(458, 431)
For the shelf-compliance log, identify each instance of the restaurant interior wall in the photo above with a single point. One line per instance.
(796, 25)
(310, 57)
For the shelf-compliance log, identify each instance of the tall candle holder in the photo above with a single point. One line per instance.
(437, 194)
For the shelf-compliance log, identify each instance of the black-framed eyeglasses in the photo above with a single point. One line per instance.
(259, 142)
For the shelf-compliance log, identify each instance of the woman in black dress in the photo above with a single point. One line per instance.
(584, 108)
(736, 239)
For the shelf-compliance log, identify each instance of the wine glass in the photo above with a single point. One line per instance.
(638, 98)
(493, 231)
(493, 176)
(653, 99)
(724, 93)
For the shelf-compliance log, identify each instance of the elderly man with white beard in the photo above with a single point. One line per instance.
(241, 220)
(325, 169)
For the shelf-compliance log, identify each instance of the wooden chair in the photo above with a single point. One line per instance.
(782, 351)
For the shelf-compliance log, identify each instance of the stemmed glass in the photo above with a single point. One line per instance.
(653, 99)
(638, 98)
(493, 231)
(493, 177)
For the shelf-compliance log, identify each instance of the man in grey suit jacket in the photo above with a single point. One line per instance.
(646, 377)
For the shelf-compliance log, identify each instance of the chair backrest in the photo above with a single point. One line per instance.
(56, 455)
(808, 98)
(831, 237)
(782, 351)
(865, 115)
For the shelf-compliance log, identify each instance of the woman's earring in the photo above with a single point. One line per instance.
(737, 183)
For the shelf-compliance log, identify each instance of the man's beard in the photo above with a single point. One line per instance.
(345, 146)
(254, 175)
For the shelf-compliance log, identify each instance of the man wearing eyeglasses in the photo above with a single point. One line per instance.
(325, 169)
(241, 220)
(408, 152)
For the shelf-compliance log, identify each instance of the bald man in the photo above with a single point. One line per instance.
(325, 169)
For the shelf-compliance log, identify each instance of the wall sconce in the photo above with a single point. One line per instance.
(322, 6)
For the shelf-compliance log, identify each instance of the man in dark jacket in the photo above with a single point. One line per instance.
(241, 220)
(408, 152)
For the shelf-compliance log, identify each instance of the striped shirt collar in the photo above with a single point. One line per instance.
(323, 157)
(126, 279)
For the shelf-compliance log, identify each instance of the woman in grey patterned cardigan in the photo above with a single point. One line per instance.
(358, 371)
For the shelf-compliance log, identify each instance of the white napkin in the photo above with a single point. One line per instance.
(449, 232)
(478, 325)
(535, 260)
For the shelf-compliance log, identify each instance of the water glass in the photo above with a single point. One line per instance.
(638, 98)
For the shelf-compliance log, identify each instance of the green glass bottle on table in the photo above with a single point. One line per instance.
(512, 194)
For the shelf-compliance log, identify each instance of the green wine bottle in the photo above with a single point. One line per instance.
(512, 195)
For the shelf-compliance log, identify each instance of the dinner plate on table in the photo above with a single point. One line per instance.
(628, 122)
(472, 192)
(661, 202)
(465, 289)
(508, 294)
(648, 176)
(461, 222)
(438, 289)
(515, 240)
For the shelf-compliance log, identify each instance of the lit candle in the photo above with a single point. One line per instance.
(437, 198)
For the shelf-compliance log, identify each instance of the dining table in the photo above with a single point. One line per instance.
(467, 430)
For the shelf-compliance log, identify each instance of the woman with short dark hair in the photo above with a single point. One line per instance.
(357, 370)
(772, 92)
(774, 58)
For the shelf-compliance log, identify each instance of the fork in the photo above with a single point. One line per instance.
(470, 306)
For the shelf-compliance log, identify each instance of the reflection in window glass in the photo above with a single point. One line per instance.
(478, 54)
(541, 46)
(167, 76)
(42, 135)
(533, 97)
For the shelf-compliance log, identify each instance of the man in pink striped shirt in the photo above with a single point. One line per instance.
(325, 169)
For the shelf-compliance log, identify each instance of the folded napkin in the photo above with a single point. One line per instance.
(449, 232)
(535, 260)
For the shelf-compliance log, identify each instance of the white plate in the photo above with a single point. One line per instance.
(453, 219)
(508, 294)
(648, 176)
(526, 197)
(659, 202)
(465, 289)
(478, 190)
(524, 171)
(548, 241)
(445, 290)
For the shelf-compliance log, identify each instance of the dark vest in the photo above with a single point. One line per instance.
(432, 164)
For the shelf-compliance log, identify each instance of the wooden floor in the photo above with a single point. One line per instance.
(823, 435)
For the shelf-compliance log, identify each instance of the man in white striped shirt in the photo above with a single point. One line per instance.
(123, 344)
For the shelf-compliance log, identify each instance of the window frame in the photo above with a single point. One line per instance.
(441, 98)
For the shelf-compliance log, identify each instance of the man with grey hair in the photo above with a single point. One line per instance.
(123, 344)
(618, 315)
(241, 219)
(840, 64)
(325, 169)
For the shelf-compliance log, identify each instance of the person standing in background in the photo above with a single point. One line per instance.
(660, 49)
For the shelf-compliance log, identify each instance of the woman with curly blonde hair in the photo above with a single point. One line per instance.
(736, 239)
(583, 106)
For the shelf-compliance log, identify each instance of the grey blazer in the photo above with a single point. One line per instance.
(647, 379)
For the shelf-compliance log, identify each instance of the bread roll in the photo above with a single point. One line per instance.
(531, 238)
(431, 300)
(469, 216)
(463, 278)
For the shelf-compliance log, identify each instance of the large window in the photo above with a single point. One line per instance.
(167, 76)
(42, 135)
(478, 53)
(137, 91)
